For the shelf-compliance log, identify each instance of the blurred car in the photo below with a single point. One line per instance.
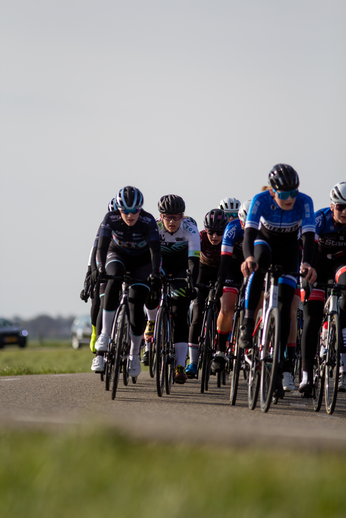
(11, 333)
(81, 331)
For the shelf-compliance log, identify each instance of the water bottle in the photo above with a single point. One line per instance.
(323, 340)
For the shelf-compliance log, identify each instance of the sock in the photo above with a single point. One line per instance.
(222, 338)
(135, 344)
(93, 339)
(107, 321)
(152, 314)
(193, 353)
(305, 377)
(181, 352)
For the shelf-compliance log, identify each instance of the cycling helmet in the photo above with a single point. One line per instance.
(129, 198)
(338, 193)
(243, 210)
(283, 178)
(171, 204)
(229, 205)
(215, 219)
(112, 205)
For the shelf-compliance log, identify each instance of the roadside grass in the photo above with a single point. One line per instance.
(55, 357)
(84, 473)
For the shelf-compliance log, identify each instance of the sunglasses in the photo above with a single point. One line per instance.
(340, 206)
(217, 232)
(174, 217)
(286, 194)
(233, 214)
(130, 211)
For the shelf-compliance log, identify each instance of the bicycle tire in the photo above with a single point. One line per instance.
(254, 366)
(152, 359)
(126, 351)
(161, 350)
(332, 364)
(318, 380)
(119, 337)
(208, 346)
(170, 368)
(270, 359)
(237, 353)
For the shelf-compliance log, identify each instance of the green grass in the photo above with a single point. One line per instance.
(83, 473)
(47, 360)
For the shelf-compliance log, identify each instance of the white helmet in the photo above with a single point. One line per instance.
(243, 210)
(229, 205)
(338, 193)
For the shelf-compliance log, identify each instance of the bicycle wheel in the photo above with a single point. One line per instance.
(109, 360)
(170, 367)
(207, 353)
(318, 379)
(254, 364)
(152, 359)
(126, 351)
(332, 364)
(119, 338)
(161, 350)
(237, 355)
(270, 359)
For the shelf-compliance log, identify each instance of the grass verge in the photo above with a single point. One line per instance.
(90, 474)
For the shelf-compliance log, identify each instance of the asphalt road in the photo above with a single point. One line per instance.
(186, 415)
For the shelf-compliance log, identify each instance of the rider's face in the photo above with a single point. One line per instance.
(339, 216)
(130, 219)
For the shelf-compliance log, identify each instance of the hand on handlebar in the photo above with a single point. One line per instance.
(309, 271)
(249, 266)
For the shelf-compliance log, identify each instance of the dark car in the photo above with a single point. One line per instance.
(81, 331)
(12, 334)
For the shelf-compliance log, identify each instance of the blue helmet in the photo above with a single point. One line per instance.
(129, 198)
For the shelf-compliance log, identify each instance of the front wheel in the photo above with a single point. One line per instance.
(332, 364)
(269, 359)
(161, 350)
(237, 354)
(207, 353)
(152, 359)
(254, 364)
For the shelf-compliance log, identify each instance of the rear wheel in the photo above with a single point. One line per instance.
(332, 364)
(270, 359)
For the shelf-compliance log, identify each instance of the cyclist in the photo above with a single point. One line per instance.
(128, 242)
(215, 222)
(180, 249)
(274, 219)
(330, 263)
(96, 293)
(230, 206)
(229, 274)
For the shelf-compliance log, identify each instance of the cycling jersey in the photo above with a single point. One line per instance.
(232, 241)
(210, 254)
(330, 236)
(128, 241)
(280, 227)
(179, 247)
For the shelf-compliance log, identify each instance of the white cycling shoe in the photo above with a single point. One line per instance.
(134, 366)
(97, 364)
(102, 342)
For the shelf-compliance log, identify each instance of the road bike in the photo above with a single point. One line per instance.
(116, 359)
(329, 348)
(207, 338)
(163, 334)
(236, 353)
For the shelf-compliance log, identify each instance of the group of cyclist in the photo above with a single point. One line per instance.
(239, 241)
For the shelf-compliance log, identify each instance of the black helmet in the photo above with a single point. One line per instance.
(171, 204)
(283, 178)
(129, 198)
(215, 219)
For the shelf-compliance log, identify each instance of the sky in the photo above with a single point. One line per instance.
(198, 98)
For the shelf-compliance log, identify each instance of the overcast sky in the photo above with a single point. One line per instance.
(192, 97)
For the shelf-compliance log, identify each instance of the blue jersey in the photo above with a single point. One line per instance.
(330, 237)
(232, 241)
(282, 226)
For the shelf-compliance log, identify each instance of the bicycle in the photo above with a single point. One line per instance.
(163, 337)
(236, 353)
(208, 333)
(117, 354)
(330, 344)
(265, 354)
